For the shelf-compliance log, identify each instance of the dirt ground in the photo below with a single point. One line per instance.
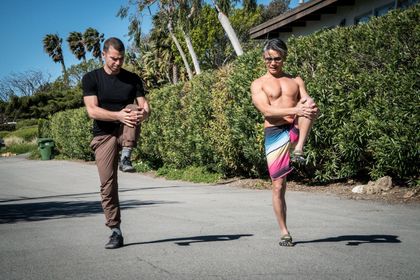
(397, 195)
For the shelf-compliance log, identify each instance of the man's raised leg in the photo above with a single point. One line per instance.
(128, 141)
(305, 126)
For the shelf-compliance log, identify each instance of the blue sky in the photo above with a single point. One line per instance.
(23, 24)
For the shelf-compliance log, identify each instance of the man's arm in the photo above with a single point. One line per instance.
(262, 103)
(303, 93)
(97, 113)
(143, 107)
(305, 98)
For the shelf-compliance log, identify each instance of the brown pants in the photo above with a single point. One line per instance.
(106, 148)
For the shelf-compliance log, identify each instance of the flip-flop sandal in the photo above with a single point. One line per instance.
(286, 241)
(297, 157)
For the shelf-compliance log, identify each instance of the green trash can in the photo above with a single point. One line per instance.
(46, 147)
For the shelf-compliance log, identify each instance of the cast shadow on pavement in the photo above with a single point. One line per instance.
(38, 211)
(355, 240)
(186, 241)
(86, 194)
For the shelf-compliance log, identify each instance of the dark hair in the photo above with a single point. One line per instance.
(116, 43)
(276, 45)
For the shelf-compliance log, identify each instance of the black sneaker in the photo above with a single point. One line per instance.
(115, 241)
(125, 165)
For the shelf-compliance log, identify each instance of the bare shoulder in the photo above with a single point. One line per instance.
(260, 80)
(257, 84)
(299, 80)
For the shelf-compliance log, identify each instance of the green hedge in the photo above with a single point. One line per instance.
(364, 79)
(72, 133)
(43, 104)
(207, 122)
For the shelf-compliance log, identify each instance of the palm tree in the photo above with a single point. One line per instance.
(161, 44)
(224, 20)
(187, 10)
(93, 40)
(167, 12)
(250, 5)
(52, 46)
(76, 44)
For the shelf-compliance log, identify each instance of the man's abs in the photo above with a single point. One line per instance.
(278, 121)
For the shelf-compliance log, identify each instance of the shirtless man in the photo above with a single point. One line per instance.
(289, 113)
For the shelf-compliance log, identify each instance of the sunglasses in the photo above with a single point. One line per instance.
(271, 59)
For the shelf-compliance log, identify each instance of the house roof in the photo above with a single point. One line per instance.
(297, 17)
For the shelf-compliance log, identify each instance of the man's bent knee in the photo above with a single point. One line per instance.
(133, 107)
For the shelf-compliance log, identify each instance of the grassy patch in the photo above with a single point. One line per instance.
(26, 123)
(21, 148)
(141, 166)
(191, 174)
(26, 133)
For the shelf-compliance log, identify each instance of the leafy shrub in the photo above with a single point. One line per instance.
(44, 130)
(364, 79)
(191, 174)
(43, 104)
(71, 131)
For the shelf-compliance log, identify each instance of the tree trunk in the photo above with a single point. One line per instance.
(181, 52)
(65, 76)
(174, 74)
(192, 53)
(229, 31)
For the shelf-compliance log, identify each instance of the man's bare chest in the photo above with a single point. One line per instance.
(281, 88)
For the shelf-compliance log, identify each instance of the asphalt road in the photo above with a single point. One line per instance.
(52, 227)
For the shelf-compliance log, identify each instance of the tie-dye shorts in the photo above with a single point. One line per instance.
(278, 142)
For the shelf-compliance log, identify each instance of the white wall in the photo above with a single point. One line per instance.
(349, 13)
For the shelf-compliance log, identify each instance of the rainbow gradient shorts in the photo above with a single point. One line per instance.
(278, 142)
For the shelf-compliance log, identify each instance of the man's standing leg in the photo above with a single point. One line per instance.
(128, 142)
(279, 203)
(106, 156)
(280, 210)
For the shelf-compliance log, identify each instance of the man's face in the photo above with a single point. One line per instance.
(274, 61)
(113, 60)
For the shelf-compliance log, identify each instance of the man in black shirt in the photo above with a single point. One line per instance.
(109, 94)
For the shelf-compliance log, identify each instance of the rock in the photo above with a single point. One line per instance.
(410, 194)
(359, 189)
(380, 185)
(372, 189)
(384, 183)
(8, 154)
